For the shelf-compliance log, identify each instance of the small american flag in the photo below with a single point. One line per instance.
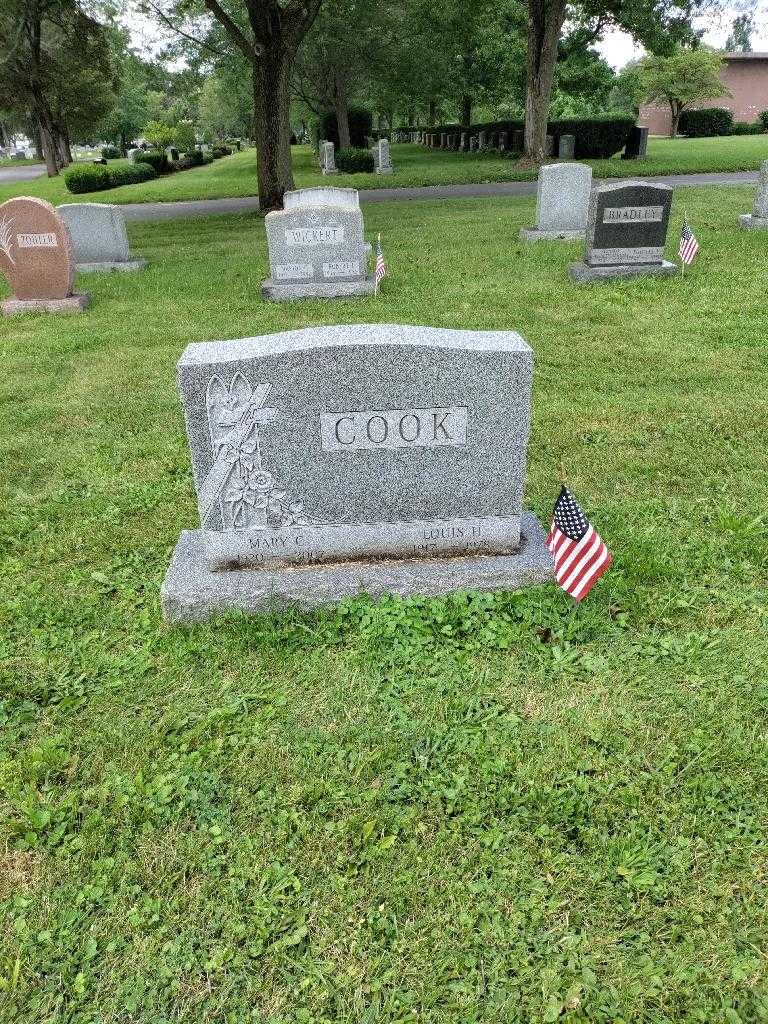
(580, 555)
(381, 265)
(688, 244)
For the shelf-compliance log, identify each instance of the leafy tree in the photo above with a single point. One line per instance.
(226, 101)
(680, 79)
(158, 134)
(740, 39)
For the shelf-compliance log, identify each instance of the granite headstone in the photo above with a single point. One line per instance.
(337, 460)
(626, 232)
(758, 219)
(328, 163)
(316, 246)
(382, 163)
(566, 147)
(99, 237)
(562, 200)
(36, 257)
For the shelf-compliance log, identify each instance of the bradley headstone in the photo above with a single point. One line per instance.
(337, 460)
(316, 246)
(382, 164)
(562, 201)
(758, 219)
(99, 237)
(36, 257)
(626, 232)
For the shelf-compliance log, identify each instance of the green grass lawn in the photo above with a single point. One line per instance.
(476, 809)
(236, 175)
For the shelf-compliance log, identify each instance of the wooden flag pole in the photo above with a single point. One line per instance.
(561, 472)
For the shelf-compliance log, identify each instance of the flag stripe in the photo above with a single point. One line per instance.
(588, 581)
(579, 554)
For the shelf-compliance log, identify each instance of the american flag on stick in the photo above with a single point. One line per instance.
(580, 555)
(688, 244)
(381, 266)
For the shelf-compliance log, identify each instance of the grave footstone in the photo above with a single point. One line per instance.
(626, 232)
(316, 246)
(566, 147)
(329, 159)
(369, 458)
(36, 257)
(758, 219)
(382, 163)
(562, 201)
(99, 238)
(637, 144)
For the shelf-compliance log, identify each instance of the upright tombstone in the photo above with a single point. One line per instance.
(382, 162)
(316, 246)
(329, 159)
(566, 147)
(637, 144)
(503, 141)
(562, 201)
(369, 458)
(482, 140)
(758, 219)
(626, 232)
(99, 238)
(36, 257)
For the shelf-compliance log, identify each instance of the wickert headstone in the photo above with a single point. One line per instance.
(382, 163)
(626, 232)
(328, 158)
(99, 237)
(36, 257)
(562, 201)
(316, 246)
(566, 147)
(368, 458)
(758, 219)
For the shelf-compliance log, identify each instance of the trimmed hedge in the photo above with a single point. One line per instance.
(597, 138)
(80, 178)
(360, 125)
(706, 123)
(110, 152)
(354, 161)
(747, 128)
(155, 158)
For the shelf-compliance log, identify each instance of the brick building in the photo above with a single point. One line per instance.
(745, 75)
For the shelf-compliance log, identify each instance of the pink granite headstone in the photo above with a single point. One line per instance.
(36, 256)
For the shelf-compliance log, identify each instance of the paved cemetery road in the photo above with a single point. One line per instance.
(206, 207)
(20, 172)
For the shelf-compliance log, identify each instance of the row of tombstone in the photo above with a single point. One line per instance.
(382, 162)
(464, 141)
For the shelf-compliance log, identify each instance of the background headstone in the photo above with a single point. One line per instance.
(372, 457)
(99, 238)
(382, 164)
(36, 257)
(637, 144)
(758, 219)
(329, 159)
(562, 201)
(626, 232)
(566, 147)
(316, 246)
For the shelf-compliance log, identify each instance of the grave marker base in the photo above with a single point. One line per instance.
(581, 272)
(71, 304)
(534, 235)
(286, 291)
(105, 268)
(192, 592)
(750, 223)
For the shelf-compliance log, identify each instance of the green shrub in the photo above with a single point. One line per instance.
(221, 151)
(130, 174)
(762, 117)
(360, 127)
(747, 128)
(110, 152)
(155, 158)
(354, 161)
(81, 178)
(700, 124)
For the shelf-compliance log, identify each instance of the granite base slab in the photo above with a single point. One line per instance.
(383, 170)
(749, 223)
(286, 291)
(581, 272)
(126, 266)
(191, 592)
(535, 235)
(71, 304)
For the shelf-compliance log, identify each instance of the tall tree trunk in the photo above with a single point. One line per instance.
(341, 108)
(432, 116)
(466, 110)
(545, 22)
(674, 123)
(48, 142)
(271, 100)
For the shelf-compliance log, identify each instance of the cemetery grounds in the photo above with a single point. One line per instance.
(478, 808)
